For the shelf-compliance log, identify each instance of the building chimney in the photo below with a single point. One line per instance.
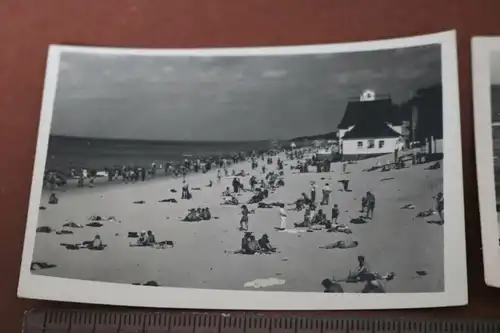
(367, 95)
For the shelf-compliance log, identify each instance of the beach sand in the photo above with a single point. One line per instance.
(394, 241)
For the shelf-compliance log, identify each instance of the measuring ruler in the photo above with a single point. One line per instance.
(76, 321)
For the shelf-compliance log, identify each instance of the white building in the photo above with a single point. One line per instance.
(370, 126)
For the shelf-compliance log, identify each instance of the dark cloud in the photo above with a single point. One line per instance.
(228, 98)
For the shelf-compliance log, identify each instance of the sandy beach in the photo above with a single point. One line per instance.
(199, 260)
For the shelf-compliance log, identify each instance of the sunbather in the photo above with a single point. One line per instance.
(265, 244)
(191, 216)
(53, 200)
(233, 201)
(331, 287)
(341, 245)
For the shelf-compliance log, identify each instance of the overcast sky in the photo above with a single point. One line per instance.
(228, 98)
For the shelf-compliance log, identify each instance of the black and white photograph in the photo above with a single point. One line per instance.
(486, 79)
(250, 178)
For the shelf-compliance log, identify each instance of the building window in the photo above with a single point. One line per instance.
(371, 144)
(381, 144)
(360, 144)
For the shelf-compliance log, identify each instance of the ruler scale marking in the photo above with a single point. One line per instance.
(138, 322)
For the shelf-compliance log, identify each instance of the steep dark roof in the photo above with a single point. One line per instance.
(377, 110)
(371, 129)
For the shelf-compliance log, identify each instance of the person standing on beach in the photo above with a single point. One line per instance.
(244, 218)
(283, 217)
(313, 191)
(344, 167)
(236, 185)
(307, 217)
(440, 206)
(219, 176)
(335, 214)
(370, 204)
(326, 194)
(363, 205)
(185, 190)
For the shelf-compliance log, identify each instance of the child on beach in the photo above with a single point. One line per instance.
(363, 205)
(283, 217)
(313, 191)
(307, 217)
(335, 214)
(53, 200)
(219, 176)
(185, 191)
(440, 206)
(244, 218)
(227, 192)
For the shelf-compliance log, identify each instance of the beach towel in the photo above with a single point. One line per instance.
(263, 283)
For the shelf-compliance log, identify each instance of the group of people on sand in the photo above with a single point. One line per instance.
(145, 239)
(199, 214)
(250, 245)
(362, 273)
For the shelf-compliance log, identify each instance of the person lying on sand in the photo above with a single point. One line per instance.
(53, 200)
(170, 200)
(71, 224)
(232, 202)
(341, 245)
(339, 228)
(256, 198)
(331, 287)
(426, 213)
(41, 265)
(95, 244)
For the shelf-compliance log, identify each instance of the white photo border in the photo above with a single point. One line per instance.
(482, 47)
(454, 294)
